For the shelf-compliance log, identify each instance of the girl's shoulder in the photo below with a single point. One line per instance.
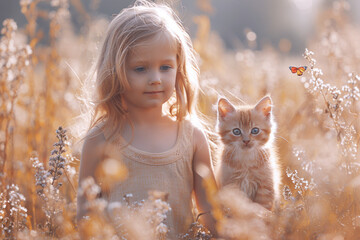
(93, 150)
(96, 132)
(195, 131)
(94, 137)
(188, 127)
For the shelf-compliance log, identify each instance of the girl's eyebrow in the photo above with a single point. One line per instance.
(142, 61)
(171, 60)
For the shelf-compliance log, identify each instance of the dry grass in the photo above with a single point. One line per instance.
(317, 116)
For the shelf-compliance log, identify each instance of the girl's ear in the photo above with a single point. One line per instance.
(224, 107)
(264, 106)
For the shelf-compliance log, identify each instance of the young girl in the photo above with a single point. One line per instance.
(146, 80)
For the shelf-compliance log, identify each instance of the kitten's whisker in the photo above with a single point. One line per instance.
(72, 69)
(282, 138)
(235, 97)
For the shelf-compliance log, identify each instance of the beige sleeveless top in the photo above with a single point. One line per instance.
(169, 172)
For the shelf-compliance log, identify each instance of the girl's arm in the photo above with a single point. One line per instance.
(90, 158)
(203, 169)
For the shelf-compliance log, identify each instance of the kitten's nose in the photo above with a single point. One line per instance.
(246, 142)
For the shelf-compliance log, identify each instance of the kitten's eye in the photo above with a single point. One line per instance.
(255, 131)
(236, 131)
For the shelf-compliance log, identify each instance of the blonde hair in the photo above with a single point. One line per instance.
(131, 27)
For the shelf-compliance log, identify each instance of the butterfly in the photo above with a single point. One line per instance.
(298, 70)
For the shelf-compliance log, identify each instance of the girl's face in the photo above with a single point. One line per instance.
(151, 69)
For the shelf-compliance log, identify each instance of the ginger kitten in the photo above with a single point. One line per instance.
(248, 159)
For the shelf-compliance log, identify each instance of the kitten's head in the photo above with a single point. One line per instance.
(247, 127)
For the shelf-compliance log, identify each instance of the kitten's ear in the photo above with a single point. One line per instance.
(225, 107)
(264, 106)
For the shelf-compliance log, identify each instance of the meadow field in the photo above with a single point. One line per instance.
(41, 100)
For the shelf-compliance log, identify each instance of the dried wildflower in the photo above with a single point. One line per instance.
(40, 174)
(287, 194)
(351, 92)
(12, 213)
(196, 231)
(52, 206)
(95, 225)
(95, 212)
(57, 161)
(348, 141)
(71, 171)
(306, 164)
(155, 210)
(149, 213)
(308, 55)
(301, 185)
(117, 221)
(89, 189)
(48, 184)
(316, 85)
(14, 59)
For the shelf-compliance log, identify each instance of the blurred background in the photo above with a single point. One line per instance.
(286, 25)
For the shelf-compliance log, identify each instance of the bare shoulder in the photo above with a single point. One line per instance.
(201, 147)
(92, 151)
(93, 138)
(199, 137)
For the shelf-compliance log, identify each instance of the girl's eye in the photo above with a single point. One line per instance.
(255, 131)
(140, 69)
(165, 68)
(236, 131)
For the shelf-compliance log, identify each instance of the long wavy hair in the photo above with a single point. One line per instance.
(129, 28)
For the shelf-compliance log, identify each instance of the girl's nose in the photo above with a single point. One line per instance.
(154, 79)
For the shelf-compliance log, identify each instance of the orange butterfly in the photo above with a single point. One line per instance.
(298, 70)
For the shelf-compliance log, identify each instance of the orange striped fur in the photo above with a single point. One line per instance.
(248, 159)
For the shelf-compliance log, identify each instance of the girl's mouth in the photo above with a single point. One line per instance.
(153, 92)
